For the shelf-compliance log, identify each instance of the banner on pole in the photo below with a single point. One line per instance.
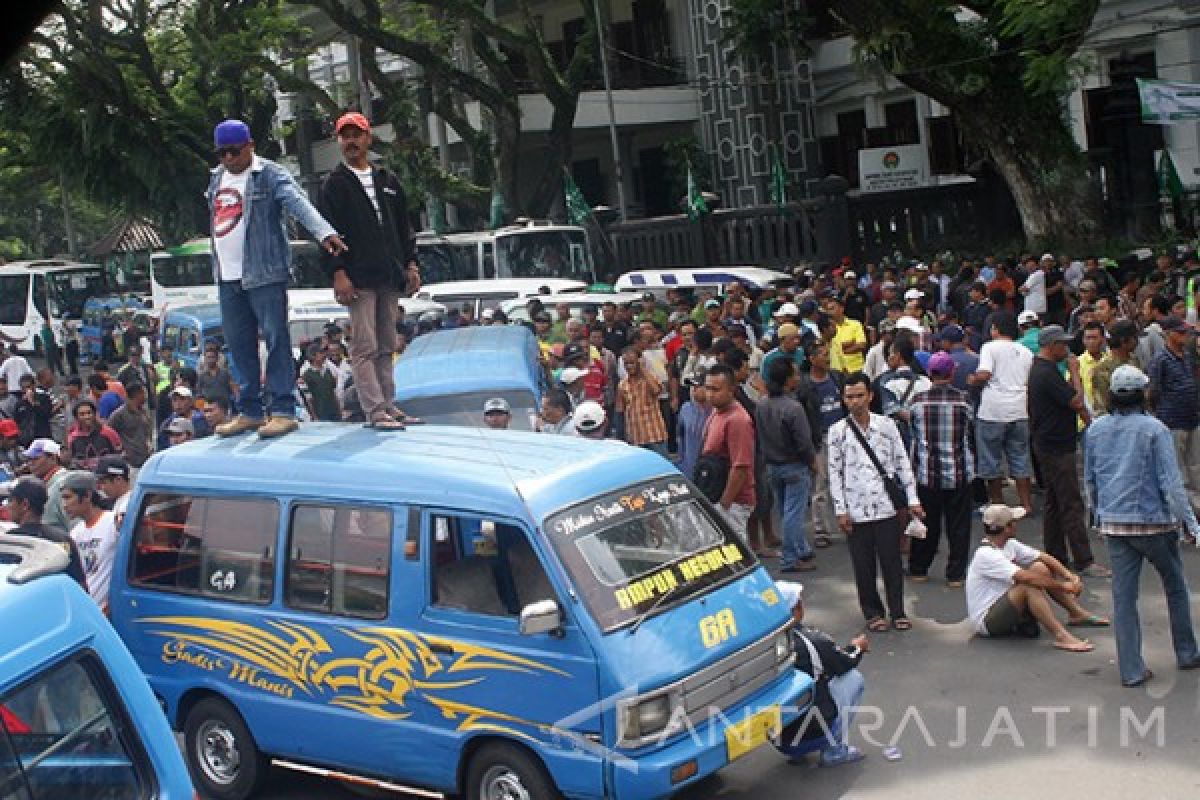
(1168, 102)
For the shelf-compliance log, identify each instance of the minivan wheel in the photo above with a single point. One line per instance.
(221, 754)
(504, 772)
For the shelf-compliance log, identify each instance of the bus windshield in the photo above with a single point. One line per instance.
(70, 289)
(183, 270)
(14, 295)
(537, 253)
(442, 262)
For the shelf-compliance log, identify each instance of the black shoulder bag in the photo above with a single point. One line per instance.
(895, 491)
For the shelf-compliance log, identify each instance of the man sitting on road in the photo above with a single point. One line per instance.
(1010, 586)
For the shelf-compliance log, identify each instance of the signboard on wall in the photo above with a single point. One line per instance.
(890, 169)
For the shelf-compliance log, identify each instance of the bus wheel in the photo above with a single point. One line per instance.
(221, 754)
(504, 772)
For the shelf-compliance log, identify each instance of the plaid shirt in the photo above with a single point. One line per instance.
(941, 425)
(643, 418)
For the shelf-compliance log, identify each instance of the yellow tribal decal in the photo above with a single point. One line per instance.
(388, 665)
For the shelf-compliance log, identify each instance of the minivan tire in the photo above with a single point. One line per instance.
(222, 757)
(502, 770)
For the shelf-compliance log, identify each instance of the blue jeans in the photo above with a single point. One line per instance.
(244, 312)
(790, 485)
(1126, 554)
(847, 691)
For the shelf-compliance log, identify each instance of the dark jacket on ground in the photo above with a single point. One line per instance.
(378, 251)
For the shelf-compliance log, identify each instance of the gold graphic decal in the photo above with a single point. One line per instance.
(378, 675)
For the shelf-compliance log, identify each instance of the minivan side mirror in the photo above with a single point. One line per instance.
(543, 616)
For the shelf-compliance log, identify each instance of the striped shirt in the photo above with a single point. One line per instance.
(638, 398)
(941, 426)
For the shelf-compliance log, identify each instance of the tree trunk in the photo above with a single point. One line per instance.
(1039, 160)
(559, 148)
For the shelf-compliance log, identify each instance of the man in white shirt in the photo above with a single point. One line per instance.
(1002, 422)
(112, 479)
(1010, 586)
(1034, 287)
(95, 533)
(14, 367)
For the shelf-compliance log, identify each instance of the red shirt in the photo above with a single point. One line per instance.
(730, 433)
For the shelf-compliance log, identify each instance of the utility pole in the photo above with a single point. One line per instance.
(612, 114)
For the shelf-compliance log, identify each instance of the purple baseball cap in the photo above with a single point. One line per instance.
(941, 364)
(231, 132)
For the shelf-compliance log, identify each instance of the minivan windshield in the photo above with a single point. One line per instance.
(644, 547)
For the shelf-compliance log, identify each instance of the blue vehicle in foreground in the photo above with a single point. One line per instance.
(445, 377)
(77, 719)
(492, 614)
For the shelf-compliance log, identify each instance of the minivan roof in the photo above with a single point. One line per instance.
(497, 357)
(502, 472)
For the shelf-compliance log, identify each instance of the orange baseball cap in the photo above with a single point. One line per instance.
(352, 118)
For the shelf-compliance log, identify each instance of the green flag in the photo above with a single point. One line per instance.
(498, 211)
(779, 183)
(1168, 179)
(437, 214)
(695, 201)
(578, 211)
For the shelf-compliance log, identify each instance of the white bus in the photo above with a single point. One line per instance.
(33, 291)
(526, 250)
(183, 275)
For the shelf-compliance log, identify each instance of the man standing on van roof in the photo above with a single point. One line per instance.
(247, 198)
(368, 206)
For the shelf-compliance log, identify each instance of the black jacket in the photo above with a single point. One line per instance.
(378, 251)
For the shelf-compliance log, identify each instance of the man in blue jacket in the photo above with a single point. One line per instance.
(1142, 509)
(247, 197)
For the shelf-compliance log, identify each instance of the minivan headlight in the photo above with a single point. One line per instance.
(783, 647)
(647, 717)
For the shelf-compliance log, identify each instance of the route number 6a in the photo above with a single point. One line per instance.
(717, 628)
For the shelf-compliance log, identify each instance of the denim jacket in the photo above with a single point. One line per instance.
(1132, 473)
(270, 191)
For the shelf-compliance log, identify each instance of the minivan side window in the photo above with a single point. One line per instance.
(484, 566)
(68, 733)
(213, 546)
(339, 560)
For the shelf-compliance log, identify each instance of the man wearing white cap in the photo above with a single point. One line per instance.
(1142, 510)
(1010, 587)
(838, 686)
(497, 414)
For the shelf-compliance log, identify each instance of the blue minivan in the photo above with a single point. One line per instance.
(445, 377)
(483, 613)
(77, 719)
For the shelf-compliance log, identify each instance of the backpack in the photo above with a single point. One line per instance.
(710, 476)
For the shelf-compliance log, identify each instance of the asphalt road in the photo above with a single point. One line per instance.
(976, 718)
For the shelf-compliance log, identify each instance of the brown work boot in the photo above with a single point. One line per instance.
(238, 425)
(277, 426)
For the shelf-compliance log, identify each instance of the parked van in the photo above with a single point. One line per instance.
(478, 295)
(659, 280)
(100, 315)
(77, 719)
(475, 612)
(445, 377)
(187, 329)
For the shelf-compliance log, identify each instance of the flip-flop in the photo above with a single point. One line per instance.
(822, 540)
(385, 425)
(1093, 621)
(1083, 646)
(877, 625)
(902, 624)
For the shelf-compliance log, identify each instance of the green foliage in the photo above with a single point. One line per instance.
(679, 153)
(757, 27)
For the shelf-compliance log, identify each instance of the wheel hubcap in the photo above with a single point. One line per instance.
(502, 783)
(217, 753)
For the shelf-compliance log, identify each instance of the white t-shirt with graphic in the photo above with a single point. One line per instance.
(229, 223)
(368, 183)
(990, 576)
(98, 548)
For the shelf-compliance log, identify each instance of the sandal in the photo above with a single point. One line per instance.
(877, 625)
(1092, 621)
(822, 540)
(385, 424)
(902, 624)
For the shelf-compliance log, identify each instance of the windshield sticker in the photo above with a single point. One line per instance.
(613, 509)
(667, 579)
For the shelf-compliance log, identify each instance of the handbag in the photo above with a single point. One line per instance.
(895, 491)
